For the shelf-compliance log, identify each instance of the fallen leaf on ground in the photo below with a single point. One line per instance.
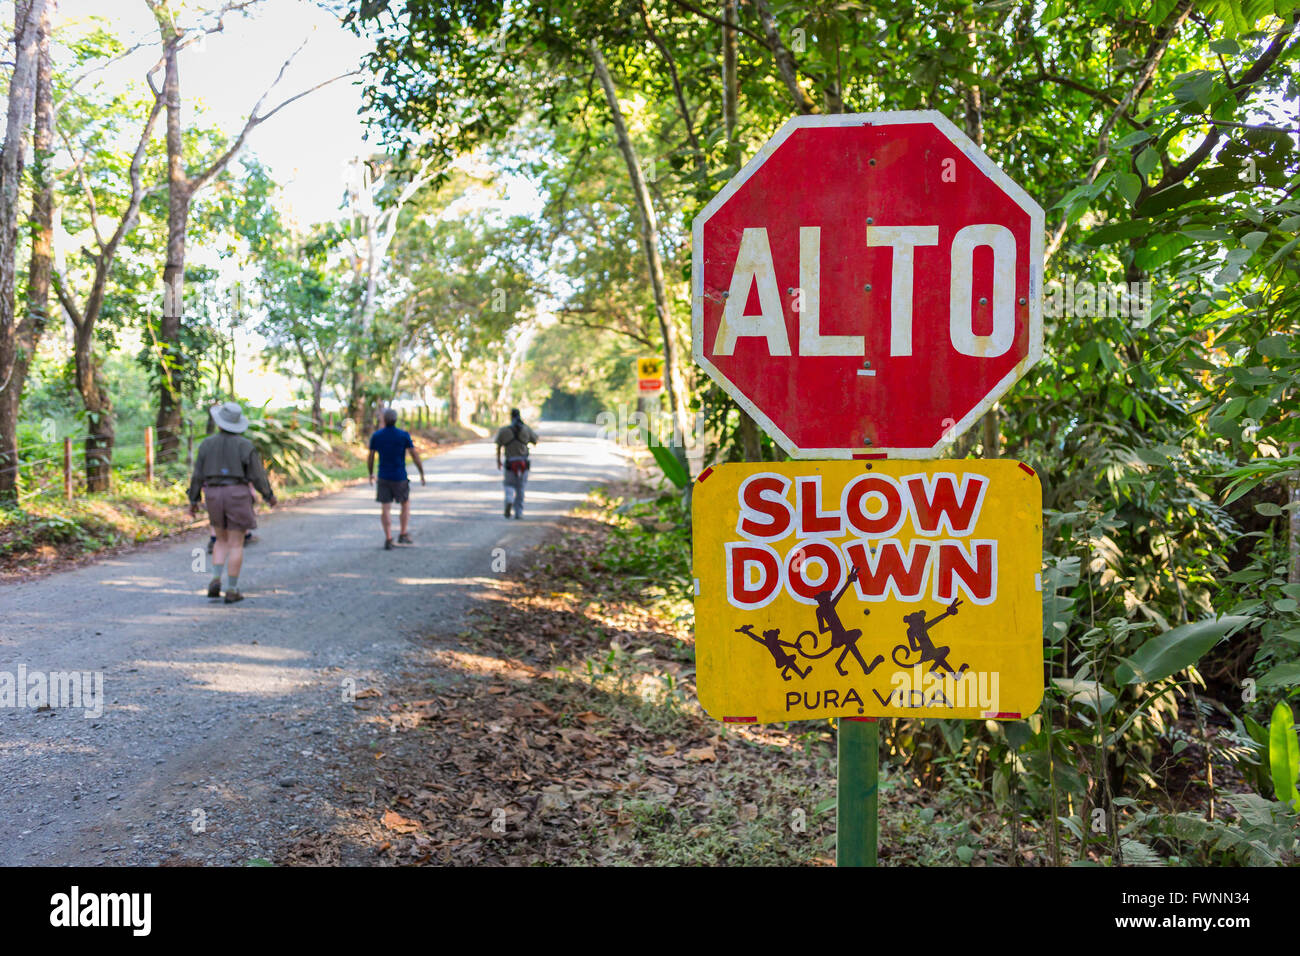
(395, 821)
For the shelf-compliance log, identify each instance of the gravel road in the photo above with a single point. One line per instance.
(220, 724)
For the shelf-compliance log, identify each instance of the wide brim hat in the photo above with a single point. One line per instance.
(229, 417)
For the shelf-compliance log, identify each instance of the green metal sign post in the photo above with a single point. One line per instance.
(857, 801)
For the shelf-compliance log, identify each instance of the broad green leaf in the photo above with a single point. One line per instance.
(1086, 693)
(1282, 252)
(670, 466)
(1175, 649)
(1116, 232)
(1129, 186)
(1133, 138)
(1253, 240)
(1283, 675)
(1146, 161)
(1284, 754)
(1274, 346)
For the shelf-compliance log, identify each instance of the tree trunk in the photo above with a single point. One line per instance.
(456, 397)
(99, 415)
(730, 80)
(32, 326)
(785, 64)
(28, 14)
(750, 441)
(650, 241)
(179, 194)
(355, 406)
(317, 389)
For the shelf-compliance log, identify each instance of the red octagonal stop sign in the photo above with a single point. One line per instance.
(868, 284)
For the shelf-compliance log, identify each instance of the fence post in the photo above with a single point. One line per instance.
(67, 468)
(148, 454)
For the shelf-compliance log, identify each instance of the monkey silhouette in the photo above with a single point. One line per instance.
(828, 621)
(919, 642)
(771, 639)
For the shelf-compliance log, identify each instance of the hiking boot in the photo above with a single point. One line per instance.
(233, 597)
(403, 539)
(214, 588)
(507, 509)
(388, 544)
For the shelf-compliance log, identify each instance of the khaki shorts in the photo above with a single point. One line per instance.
(230, 506)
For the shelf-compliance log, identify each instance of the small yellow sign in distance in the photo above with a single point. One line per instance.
(868, 589)
(649, 368)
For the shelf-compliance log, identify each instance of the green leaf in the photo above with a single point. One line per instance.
(1175, 650)
(1284, 754)
(1268, 509)
(1146, 161)
(670, 466)
(1282, 252)
(1253, 240)
(1133, 138)
(1086, 693)
(1283, 675)
(1129, 186)
(1274, 346)
(1232, 408)
(1116, 232)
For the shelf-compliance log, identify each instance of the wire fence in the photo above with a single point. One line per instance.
(68, 472)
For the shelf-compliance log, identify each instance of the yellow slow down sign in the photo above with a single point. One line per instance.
(868, 588)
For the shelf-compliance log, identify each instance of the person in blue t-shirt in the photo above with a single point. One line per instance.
(392, 444)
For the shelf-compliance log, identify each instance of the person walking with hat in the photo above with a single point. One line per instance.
(227, 467)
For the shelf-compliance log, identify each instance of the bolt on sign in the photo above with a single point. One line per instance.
(876, 589)
(650, 374)
(868, 283)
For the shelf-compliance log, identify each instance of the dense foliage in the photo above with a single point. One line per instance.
(1160, 137)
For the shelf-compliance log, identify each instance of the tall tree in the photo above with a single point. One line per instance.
(28, 18)
(84, 312)
(305, 320)
(182, 186)
(376, 198)
(673, 372)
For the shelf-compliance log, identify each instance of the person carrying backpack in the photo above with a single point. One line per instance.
(514, 440)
